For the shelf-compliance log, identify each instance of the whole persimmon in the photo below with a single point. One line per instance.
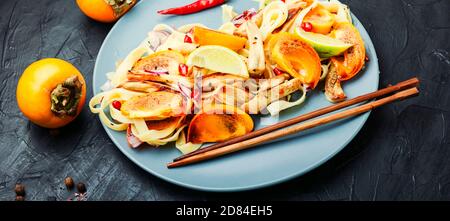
(106, 11)
(51, 92)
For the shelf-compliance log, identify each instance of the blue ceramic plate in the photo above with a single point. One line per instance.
(255, 168)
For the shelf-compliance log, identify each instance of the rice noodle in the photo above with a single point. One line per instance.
(274, 15)
(101, 101)
(228, 28)
(120, 75)
(227, 13)
(277, 106)
(325, 70)
(185, 147)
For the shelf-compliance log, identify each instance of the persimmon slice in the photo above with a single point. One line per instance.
(219, 123)
(297, 58)
(352, 61)
(204, 36)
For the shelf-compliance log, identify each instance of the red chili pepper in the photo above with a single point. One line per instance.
(117, 104)
(196, 6)
(187, 39)
(245, 16)
(278, 71)
(183, 69)
(307, 26)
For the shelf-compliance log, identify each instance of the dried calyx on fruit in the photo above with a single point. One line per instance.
(119, 6)
(66, 96)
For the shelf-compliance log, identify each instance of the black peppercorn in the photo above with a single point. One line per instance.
(20, 198)
(69, 182)
(81, 187)
(20, 189)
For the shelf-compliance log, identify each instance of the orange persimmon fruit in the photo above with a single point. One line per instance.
(295, 57)
(51, 92)
(353, 60)
(204, 36)
(105, 10)
(219, 122)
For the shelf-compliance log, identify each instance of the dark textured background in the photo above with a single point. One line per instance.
(402, 152)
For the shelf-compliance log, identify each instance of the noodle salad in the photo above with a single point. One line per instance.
(193, 85)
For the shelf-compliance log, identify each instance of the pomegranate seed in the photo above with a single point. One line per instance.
(183, 69)
(278, 71)
(187, 39)
(307, 26)
(367, 59)
(237, 25)
(117, 104)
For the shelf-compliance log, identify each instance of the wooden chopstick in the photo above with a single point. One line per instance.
(294, 129)
(413, 82)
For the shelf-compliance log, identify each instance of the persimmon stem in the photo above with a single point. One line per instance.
(66, 96)
(119, 6)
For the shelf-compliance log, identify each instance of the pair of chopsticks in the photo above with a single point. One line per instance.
(402, 90)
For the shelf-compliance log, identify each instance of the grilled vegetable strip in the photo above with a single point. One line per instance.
(262, 99)
(144, 86)
(194, 7)
(171, 80)
(333, 89)
(233, 96)
(213, 81)
(266, 84)
(256, 60)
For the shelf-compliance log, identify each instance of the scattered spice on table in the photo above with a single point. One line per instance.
(20, 189)
(81, 188)
(194, 7)
(69, 182)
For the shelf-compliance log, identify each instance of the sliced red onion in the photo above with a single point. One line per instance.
(245, 16)
(307, 87)
(157, 72)
(157, 38)
(132, 140)
(196, 94)
(186, 91)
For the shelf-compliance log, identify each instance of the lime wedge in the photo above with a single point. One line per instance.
(219, 59)
(324, 45)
